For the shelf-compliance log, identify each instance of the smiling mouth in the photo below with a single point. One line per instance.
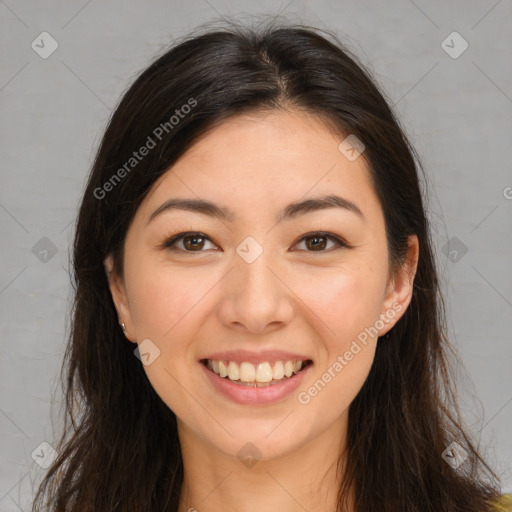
(260, 375)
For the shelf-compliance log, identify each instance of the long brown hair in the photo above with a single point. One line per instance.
(120, 450)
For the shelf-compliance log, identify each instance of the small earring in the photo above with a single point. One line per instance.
(124, 328)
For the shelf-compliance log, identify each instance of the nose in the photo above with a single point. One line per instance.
(255, 297)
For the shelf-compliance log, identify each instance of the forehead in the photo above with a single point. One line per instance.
(261, 160)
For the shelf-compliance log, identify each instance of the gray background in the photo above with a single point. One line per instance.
(458, 112)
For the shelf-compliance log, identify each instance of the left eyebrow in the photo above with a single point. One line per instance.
(319, 203)
(292, 210)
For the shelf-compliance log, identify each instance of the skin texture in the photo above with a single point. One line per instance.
(292, 297)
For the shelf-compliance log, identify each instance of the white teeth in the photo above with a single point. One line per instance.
(264, 372)
(233, 371)
(247, 372)
(223, 371)
(288, 368)
(278, 372)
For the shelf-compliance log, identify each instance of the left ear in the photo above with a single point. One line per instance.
(118, 292)
(400, 287)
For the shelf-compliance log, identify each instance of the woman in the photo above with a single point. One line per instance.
(253, 221)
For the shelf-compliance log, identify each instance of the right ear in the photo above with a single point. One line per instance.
(118, 292)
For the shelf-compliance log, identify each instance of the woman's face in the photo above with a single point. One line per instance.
(271, 280)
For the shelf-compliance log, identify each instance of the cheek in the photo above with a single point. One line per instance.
(346, 305)
(345, 300)
(167, 308)
(163, 300)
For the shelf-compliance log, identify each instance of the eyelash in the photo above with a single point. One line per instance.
(169, 242)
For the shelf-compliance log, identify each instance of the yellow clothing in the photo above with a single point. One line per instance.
(504, 504)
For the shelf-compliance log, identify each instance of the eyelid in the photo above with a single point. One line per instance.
(169, 241)
(331, 236)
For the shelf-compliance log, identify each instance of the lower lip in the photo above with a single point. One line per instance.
(254, 395)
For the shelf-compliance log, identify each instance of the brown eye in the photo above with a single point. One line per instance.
(193, 242)
(188, 242)
(317, 242)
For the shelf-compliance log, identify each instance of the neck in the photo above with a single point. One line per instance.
(307, 478)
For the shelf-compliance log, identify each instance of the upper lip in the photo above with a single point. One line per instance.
(240, 356)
